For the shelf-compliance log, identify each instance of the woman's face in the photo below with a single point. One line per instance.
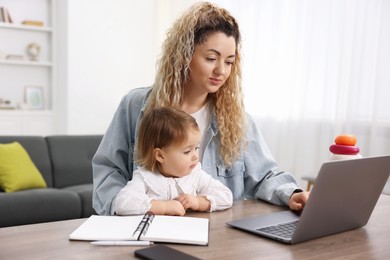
(211, 64)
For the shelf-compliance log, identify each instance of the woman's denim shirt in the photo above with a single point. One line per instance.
(254, 175)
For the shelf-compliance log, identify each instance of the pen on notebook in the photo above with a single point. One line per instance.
(121, 243)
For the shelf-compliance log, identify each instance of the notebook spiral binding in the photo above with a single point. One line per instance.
(144, 224)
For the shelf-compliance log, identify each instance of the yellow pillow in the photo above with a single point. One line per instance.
(17, 170)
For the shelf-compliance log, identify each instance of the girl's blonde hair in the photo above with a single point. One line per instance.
(161, 128)
(192, 28)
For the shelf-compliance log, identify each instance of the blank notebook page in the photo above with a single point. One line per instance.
(107, 228)
(178, 230)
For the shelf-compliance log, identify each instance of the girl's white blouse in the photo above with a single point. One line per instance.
(135, 197)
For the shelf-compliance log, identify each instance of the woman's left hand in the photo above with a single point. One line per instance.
(298, 200)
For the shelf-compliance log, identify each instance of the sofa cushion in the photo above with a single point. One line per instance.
(85, 193)
(37, 149)
(38, 205)
(72, 158)
(17, 170)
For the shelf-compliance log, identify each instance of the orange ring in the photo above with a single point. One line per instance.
(345, 139)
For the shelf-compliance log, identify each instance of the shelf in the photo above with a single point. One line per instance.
(17, 73)
(26, 63)
(25, 27)
(19, 112)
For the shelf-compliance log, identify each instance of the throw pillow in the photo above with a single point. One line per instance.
(17, 170)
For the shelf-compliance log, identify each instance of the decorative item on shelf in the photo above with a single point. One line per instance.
(33, 23)
(33, 97)
(33, 51)
(2, 20)
(3, 55)
(22, 106)
(6, 104)
(14, 57)
(5, 16)
(344, 148)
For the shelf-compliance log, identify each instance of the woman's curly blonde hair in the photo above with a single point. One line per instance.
(173, 70)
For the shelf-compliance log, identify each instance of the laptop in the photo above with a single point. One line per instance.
(343, 198)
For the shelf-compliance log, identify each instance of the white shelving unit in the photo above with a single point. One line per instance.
(17, 74)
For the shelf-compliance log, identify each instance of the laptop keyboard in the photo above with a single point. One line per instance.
(285, 230)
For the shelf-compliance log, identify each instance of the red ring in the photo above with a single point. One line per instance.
(343, 149)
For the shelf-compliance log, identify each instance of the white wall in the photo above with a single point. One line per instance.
(105, 49)
(110, 50)
(108, 47)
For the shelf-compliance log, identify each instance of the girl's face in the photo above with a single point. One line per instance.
(179, 160)
(211, 64)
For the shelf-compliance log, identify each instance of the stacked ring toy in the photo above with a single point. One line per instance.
(344, 148)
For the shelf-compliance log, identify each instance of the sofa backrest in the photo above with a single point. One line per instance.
(37, 148)
(71, 157)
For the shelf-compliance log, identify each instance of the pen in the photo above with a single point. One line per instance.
(121, 243)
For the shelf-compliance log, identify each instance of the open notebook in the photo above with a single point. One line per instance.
(156, 228)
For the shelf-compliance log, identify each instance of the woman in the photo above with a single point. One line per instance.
(200, 73)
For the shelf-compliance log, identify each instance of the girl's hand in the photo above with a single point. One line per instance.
(174, 208)
(167, 207)
(195, 203)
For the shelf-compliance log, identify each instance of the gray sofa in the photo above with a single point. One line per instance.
(65, 164)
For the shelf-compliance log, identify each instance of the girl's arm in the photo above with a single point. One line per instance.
(132, 199)
(167, 207)
(218, 195)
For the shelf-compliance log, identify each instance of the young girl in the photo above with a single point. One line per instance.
(170, 180)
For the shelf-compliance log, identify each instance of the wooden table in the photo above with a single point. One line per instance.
(50, 240)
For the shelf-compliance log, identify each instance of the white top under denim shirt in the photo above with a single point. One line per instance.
(202, 117)
(254, 174)
(135, 197)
